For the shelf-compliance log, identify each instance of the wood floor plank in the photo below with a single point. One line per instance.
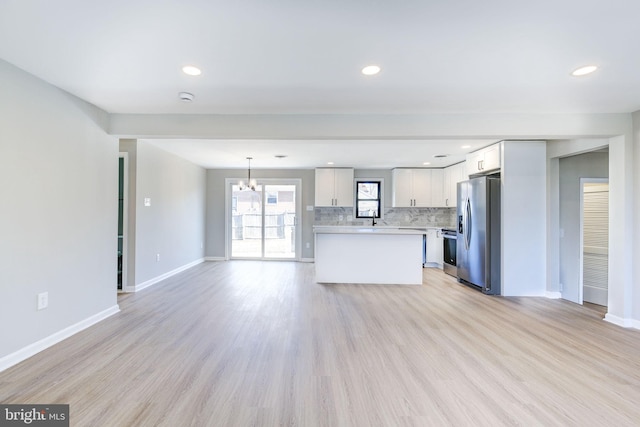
(249, 343)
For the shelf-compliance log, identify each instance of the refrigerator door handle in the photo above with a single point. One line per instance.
(467, 237)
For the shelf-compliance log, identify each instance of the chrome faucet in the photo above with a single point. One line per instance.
(373, 221)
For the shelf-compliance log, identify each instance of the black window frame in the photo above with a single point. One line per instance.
(378, 200)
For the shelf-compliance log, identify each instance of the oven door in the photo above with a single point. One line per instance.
(449, 254)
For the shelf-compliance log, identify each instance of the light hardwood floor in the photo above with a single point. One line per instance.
(247, 343)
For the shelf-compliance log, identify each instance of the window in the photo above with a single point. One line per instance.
(368, 199)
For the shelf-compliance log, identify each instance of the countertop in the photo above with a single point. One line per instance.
(360, 229)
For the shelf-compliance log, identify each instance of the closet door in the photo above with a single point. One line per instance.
(595, 246)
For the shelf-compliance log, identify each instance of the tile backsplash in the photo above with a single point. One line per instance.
(402, 217)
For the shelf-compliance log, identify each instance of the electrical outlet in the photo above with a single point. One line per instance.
(43, 300)
(157, 257)
(340, 217)
(308, 245)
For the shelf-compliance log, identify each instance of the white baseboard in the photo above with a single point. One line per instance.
(553, 295)
(307, 259)
(215, 258)
(32, 349)
(625, 323)
(160, 278)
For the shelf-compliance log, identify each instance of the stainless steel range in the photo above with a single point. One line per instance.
(449, 251)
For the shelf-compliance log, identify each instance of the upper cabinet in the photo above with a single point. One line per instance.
(334, 187)
(484, 161)
(452, 176)
(412, 188)
(437, 188)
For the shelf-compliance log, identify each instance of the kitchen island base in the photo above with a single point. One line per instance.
(374, 257)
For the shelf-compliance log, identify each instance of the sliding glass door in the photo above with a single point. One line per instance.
(264, 221)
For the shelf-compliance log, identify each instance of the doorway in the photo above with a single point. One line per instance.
(123, 184)
(594, 242)
(263, 222)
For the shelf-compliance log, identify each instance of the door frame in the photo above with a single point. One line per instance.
(125, 223)
(229, 182)
(584, 181)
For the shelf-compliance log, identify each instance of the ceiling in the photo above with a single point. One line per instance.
(359, 154)
(305, 57)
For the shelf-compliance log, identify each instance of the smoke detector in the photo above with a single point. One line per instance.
(186, 96)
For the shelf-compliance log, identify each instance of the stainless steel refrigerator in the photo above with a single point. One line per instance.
(478, 245)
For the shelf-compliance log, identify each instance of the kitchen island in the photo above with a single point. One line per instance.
(376, 255)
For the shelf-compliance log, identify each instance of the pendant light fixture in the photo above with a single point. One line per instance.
(251, 183)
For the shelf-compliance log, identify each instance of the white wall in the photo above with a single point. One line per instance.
(366, 126)
(58, 220)
(524, 218)
(636, 220)
(622, 283)
(174, 225)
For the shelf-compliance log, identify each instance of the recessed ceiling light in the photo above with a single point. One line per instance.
(466, 146)
(582, 71)
(329, 163)
(426, 163)
(370, 70)
(191, 70)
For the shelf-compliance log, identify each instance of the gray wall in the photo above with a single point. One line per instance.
(571, 169)
(58, 222)
(215, 241)
(385, 174)
(174, 225)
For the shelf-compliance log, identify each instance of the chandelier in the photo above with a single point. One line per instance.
(251, 183)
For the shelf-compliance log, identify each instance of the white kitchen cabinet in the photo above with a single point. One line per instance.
(434, 248)
(334, 187)
(484, 161)
(448, 185)
(437, 188)
(452, 176)
(412, 188)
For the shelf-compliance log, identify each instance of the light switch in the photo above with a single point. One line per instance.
(147, 201)
(309, 207)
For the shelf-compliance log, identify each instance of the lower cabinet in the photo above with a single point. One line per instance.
(434, 248)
